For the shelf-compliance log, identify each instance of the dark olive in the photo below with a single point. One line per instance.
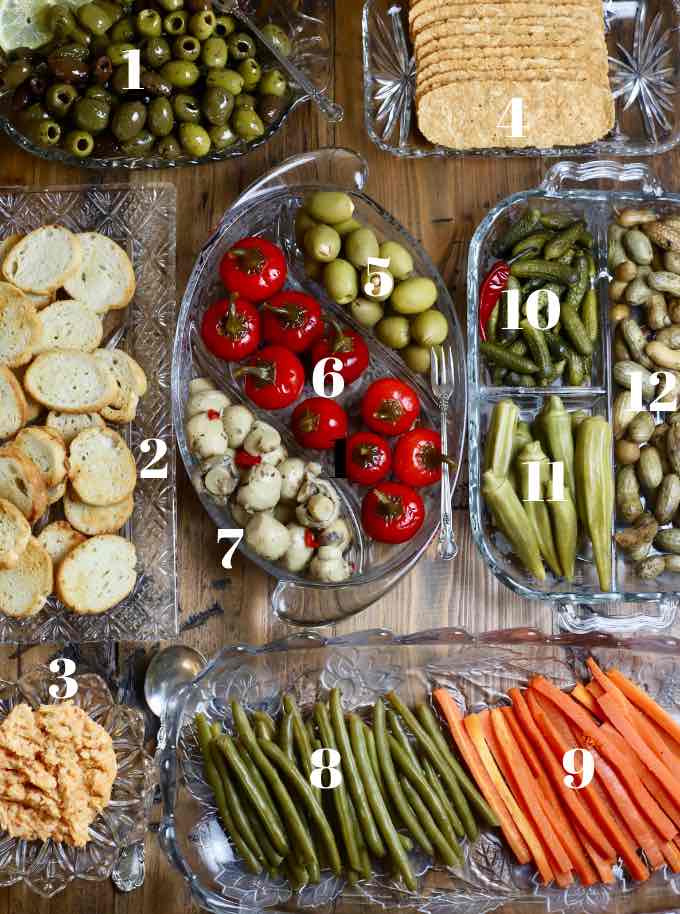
(61, 21)
(16, 73)
(60, 98)
(118, 53)
(72, 51)
(270, 108)
(244, 100)
(114, 9)
(156, 52)
(214, 53)
(187, 47)
(139, 145)
(241, 45)
(21, 97)
(155, 85)
(169, 148)
(102, 69)
(79, 143)
(202, 24)
(180, 73)
(128, 120)
(273, 82)
(196, 6)
(225, 79)
(222, 137)
(91, 114)
(160, 119)
(123, 31)
(34, 112)
(217, 105)
(186, 108)
(171, 5)
(251, 72)
(94, 18)
(37, 86)
(21, 54)
(100, 93)
(68, 71)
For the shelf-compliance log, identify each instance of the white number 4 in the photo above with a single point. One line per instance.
(515, 108)
(70, 684)
(237, 536)
(586, 770)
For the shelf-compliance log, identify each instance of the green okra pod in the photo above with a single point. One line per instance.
(595, 490)
(565, 525)
(558, 437)
(499, 439)
(508, 511)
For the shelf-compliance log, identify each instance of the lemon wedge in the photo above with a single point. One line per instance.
(23, 23)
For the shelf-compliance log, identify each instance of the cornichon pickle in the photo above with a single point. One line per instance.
(501, 356)
(535, 340)
(499, 439)
(532, 243)
(595, 490)
(525, 225)
(543, 269)
(559, 245)
(504, 333)
(577, 289)
(574, 329)
(507, 509)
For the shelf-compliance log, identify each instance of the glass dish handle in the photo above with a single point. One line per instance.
(583, 618)
(581, 172)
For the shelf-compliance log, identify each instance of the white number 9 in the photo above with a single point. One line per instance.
(587, 769)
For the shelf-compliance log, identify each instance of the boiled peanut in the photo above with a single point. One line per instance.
(638, 246)
(629, 217)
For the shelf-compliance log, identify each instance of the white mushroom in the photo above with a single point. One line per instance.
(241, 517)
(221, 476)
(237, 421)
(206, 400)
(266, 536)
(206, 436)
(318, 503)
(200, 384)
(262, 489)
(292, 473)
(331, 566)
(264, 441)
(298, 553)
(337, 534)
(284, 513)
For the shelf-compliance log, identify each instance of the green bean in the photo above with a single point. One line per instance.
(354, 781)
(236, 809)
(266, 720)
(296, 873)
(365, 867)
(348, 829)
(309, 727)
(287, 808)
(450, 854)
(264, 809)
(429, 722)
(261, 730)
(373, 755)
(213, 778)
(378, 807)
(304, 790)
(438, 788)
(301, 740)
(440, 763)
(401, 804)
(254, 772)
(286, 737)
(401, 737)
(274, 859)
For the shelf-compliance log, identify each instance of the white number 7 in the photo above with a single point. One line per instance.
(237, 536)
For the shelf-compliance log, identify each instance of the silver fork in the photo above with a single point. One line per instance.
(441, 378)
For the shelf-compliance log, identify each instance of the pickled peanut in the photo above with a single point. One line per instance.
(667, 498)
(644, 530)
(649, 468)
(628, 502)
(627, 452)
(638, 246)
(641, 428)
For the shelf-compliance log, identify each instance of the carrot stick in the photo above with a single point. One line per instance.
(636, 788)
(474, 729)
(581, 694)
(526, 785)
(671, 856)
(470, 756)
(600, 676)
(530, 756)
(595, 688)
(642, 700)
(615, 829)
(670, 743)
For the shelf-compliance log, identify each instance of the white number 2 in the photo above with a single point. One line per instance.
(515, 107)
(237, 536)
(318, 767)
(161, 451)
(661, 403)
(586, 770)
(70, 684)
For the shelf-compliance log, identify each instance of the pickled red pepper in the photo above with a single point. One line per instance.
(493, 286)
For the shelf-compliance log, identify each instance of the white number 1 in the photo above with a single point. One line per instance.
(134, 69)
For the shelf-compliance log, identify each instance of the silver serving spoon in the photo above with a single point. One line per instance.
(169, 669)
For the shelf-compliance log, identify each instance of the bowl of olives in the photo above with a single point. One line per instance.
(161, 83)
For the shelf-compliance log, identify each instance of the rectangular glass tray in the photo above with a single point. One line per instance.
(478, 672)
(141, 218)
(576, 600)
(642, 41)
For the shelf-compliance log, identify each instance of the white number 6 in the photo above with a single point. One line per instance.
(70, 684)
(320, 374)
(587, 769)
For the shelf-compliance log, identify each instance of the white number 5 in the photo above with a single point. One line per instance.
(379, 283)
(70, 684)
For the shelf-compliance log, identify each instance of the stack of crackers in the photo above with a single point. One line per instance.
(473, 60)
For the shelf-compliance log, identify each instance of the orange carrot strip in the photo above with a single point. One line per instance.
(671, 856)
(642, 700)
(530, 756)
(526, 785)
(470, 756)
(600, 676)
(582, 695)
(474, 730)
(636, 788)
(595, 688)
(615, 829)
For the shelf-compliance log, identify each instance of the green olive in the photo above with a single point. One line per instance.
(168, 148)
(214, 53)
(217, 106)
(222, 136)
(194, 139)
(251, 72)
(94, 18)
(323, 243)
(347, 227)
(16, 73)
(247, 124)
(393, 331)
(186, 47)
(155, 85)
(303, 222)
(366, 312)
(417, 358)
(149, 23)
(378, 284)
(91, 114)
(401, 262)
(139, 145)
(79, 143)
(128, 119)
(117, 53)
(176, 23)
(161, 118)
(121, 80)
(180, 73)
(123, 31)
(171, 5)
(330, 206)
(430, 328)
(202, 24)
(241, 45)
(59, 99)
(245, 100)
(46, 132)
(225, 26)
(361, 245)
(340, 281)
(313, 268)
(414, 295)
(186, 108)
(101, 94)
(273, 82)
(156, 53)
(225, 79)
(277, 38)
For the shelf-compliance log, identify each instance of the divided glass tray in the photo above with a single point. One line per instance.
(581, 605)
(478, 672)
(642, 41)
(141, 219)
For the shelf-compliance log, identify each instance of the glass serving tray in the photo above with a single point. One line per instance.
(642, 40)
(141, 219)
(308, 22)
(581, 605)
(478, 671)
(268, 208)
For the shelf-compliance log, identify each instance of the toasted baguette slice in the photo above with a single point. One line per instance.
(103, 470)
(98, 574)
(56, 493)
(68, 324)
(34, 409)
(71, 424)
(13, 405)
(15, 532)
(106, 279)
(7, 244)
(125, 411)
(59, 539)
(69, 381)
(44, 260)
(47, 450)
(25, 588)
(19, 327)
(94, 520)
(127, 372)
(22, 483)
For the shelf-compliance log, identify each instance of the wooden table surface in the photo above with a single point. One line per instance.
(440, 202)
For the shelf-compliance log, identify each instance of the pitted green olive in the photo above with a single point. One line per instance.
(360, 246)
(401, 262)
(417, 358)
(225, 79)
(322, 243)
(365, 312)
(414, 295)
(330, 206)
(394, 331)
(377, 284)
(340, 281)
(430, 328)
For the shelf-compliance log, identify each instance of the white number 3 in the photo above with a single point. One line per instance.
(70, 684)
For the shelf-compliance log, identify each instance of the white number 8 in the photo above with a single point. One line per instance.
(70, 684)
(334, 775)
(587, 769)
